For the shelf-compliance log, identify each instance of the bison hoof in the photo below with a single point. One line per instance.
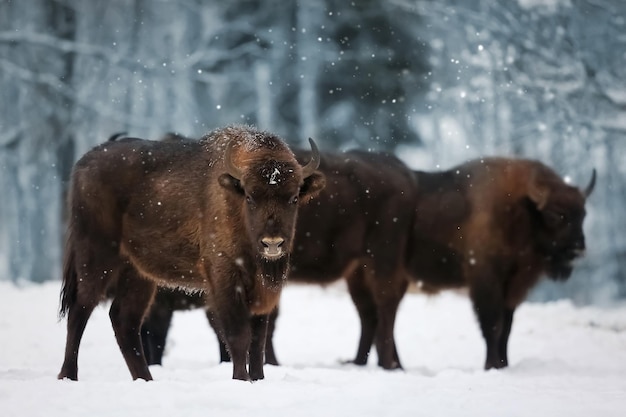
(354, 362)
(393, 365)
(242, 376)
(71, 375)
(495, 365)
(256, 373)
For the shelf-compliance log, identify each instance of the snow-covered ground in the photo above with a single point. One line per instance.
(565, 361)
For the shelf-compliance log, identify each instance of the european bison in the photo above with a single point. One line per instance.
(215, 215)
(356, 229)
(495, 225)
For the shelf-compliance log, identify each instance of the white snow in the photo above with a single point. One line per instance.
(565, 361)
(273, 177)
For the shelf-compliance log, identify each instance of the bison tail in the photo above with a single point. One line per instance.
(70, 280)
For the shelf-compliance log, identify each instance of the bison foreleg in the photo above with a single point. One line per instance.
(234, 320)
(131, 302)
(258, 325)
(504, 337)
(270, 354)
(489, 308)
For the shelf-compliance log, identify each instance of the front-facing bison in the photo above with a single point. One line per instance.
(217, 216)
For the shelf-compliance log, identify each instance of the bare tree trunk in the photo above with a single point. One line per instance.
(307, 67)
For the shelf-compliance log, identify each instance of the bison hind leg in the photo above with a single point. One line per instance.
(89, 273)
(368, 315)
(387, 304)
(155, 328)
(224, 355)
(77, 317)
(131, 302)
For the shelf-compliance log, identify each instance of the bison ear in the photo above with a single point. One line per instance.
(312, 186)
(538, 193)
(230, 183)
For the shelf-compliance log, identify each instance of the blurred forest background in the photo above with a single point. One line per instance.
(437, 82)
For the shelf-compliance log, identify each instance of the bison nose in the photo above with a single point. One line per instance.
(272, 246)
(579, 247)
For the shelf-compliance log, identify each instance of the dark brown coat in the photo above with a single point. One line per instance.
(216, 216)
(355, 229)
(495, 225)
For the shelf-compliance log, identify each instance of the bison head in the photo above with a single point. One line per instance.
(270, 187)
(558, 212)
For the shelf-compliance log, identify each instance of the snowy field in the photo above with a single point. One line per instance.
(565, 361)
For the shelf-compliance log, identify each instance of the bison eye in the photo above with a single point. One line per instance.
(293, 200)
(249, 199)
(554, 219)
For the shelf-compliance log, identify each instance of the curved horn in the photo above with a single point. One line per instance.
(116, 136)
(310, 168)
(591, 185)
(231, 169)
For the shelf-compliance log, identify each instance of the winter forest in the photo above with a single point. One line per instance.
(436, 82)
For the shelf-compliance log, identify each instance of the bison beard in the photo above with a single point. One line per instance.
(273, 272)
(559, 269)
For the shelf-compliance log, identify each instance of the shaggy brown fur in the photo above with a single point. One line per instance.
(356, 229)
(216, 215)
(495, 225)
